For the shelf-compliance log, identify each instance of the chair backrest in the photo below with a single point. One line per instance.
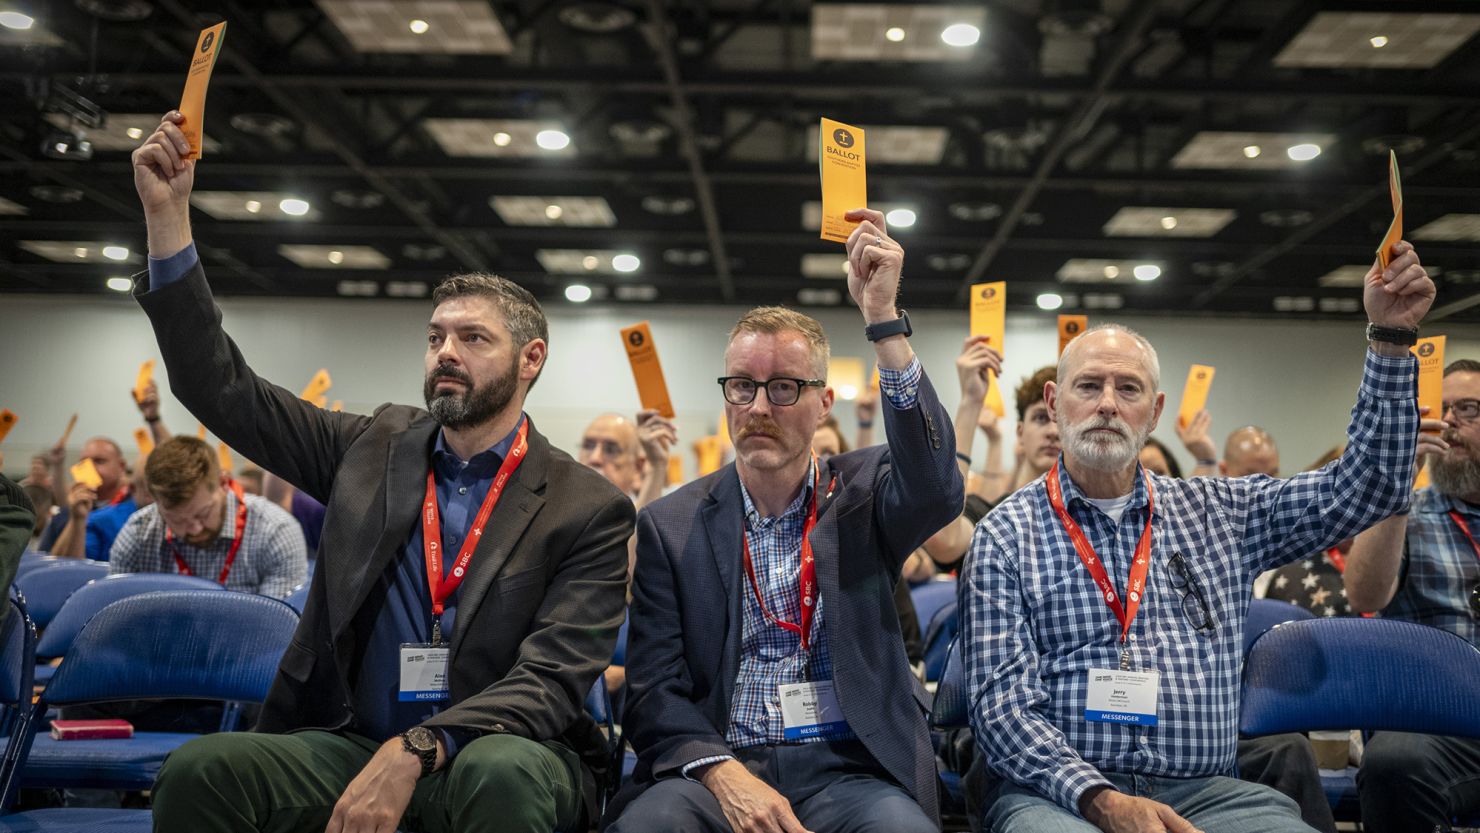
(299, 597)
(82, 605)
(1352, 673)
(46, 588)
(938, 639)
(36, 560)
(203, 644)
(949, 708)
(930, 597)
(18, 638)
(1267, 613)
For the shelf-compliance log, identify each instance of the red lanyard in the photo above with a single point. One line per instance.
(236, 542)
(121, 496)
(1337, 560)
(806, 573)
(431, 531)
(1465, 528)
(1139, 569)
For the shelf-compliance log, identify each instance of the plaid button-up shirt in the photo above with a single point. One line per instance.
(1439, 567)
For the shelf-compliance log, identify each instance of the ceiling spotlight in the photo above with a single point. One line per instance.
(894, 34)
(115, 252)
(294, 207)
(960, 34)
(589, 262)
(16, 20)
(120, 284)
(1252, 151)
(1112, 271)
(336, 257)
(900, 218)
(135, 132)
(80, 251)
(626, 263)
(1050, 300)
(502, 139)
(552, 139)
(1379, 41)
(1303, 152)
(553, 212)
(253, 206)
(68, 145)
(1147, 272)
(419, 27)
(578, 293)
(1169, 222)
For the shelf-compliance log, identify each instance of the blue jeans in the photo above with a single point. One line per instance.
(1214, 804)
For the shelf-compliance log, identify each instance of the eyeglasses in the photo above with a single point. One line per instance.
(780, 390)
(1464, 409)
(1194, 604)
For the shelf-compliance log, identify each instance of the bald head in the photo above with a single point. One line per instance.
(1250, 450)
(609, 445)
(1105, 340)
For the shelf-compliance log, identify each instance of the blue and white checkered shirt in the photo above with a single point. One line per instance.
(1439, 567)
(1035, 624)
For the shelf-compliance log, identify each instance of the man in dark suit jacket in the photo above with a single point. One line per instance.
(360, 732)
(769, 688)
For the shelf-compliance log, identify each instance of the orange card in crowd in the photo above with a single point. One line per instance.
(197, 81)
(317, 387)
(873, 381)
(675, 470)
(200, 431)
(223, 456)
(86, 473)
(338, 406)
(7, 422)
(67, 434)
(1422, 480)
(724, 430)
(144, 441)
(146, 375)
(1430, 353)
(642, 354)
(840, 163)
(1069, 327)
(989, 318)
(711, 455)
(1195, 394)
(1395, 228)
(993, 399)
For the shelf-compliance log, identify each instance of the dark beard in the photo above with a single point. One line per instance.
(474, 407)
(1458, 478)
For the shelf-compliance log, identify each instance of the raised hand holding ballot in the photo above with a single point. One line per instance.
(163, 176)
(875, 264)
(1400, 295)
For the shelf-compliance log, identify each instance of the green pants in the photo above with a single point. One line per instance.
(243, 781)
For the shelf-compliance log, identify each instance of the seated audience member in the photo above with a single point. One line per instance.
(1250, 450)
(1158, 459)
(1104, 599)
(1424, 566)
(1036, 430)
(103, 525)
(82, 500)
(768, 683)
(828, 442)
(251, 479)
(203, 524)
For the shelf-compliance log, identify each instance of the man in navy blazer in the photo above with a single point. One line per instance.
(769, 689)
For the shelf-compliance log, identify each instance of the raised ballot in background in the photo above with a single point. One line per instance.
(1195, 393)
(842, 167)
(989, 318)
(647, 371)
(8, 420)
(86, 473)
(141, 384)
(1070, 326)
(197, 81)
(1430, 353)
(1395, 228)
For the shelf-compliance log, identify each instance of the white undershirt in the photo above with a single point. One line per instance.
(1113, 507)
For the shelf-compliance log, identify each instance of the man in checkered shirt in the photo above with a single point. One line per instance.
(1423, 566)
(1122, 715)
(192, 527)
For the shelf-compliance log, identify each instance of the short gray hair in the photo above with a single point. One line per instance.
(1153, 364)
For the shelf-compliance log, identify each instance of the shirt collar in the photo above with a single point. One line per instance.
(1431, 501)
(1139, 496)
(228, 520)
(489, 459)
(753, 517)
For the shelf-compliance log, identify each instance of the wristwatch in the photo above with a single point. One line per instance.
(885, 329)
(419, 741)
(1393, 335)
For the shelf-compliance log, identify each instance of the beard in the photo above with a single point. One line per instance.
(1459, 477)
(1103, 452)
(474, 406)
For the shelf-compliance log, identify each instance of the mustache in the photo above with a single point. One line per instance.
(1115, 425)
(447, 371)
(760, 427)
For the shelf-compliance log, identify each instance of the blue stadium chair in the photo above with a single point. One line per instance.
(931, 597)
(1267, 613)
(18, 638)
(298, 598)
(192, 644)
(939, 637)
(36, 560)
(45, 589)
(949, 709)
(82, 605)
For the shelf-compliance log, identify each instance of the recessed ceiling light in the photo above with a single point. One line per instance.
(894, 34)
(1285, 217)
(553, 211)
(596, 17)
(552, 139)
(1252, 151)
(900, 218)
(502, 139)
(1112, 271)
(419, 27)
(666, 205)
(1050, 300)
(975, 211)
(590, 262)
(626, 263)
(16, 20)
(1379, 41)
(253, 206)
(115, 252)
(80, 251)
(578, 293)
(294, 207)
(1147, 272)
(336, 257)
(135, 132)
(120, 284)
(1169, 222)
(1303, 152)
(960, 34)
(59, 194)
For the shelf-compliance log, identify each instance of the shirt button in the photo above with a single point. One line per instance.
(462, 490)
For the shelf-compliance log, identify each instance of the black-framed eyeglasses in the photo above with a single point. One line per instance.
(780, 390)
(1194, 603)
(1465, 409)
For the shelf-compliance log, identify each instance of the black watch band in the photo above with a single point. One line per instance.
(885, 329)
(420, 742)
(1392, 335)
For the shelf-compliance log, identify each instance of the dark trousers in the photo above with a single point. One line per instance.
(833, 788)
(1417, 782)
(243, 782)
(1288, 764)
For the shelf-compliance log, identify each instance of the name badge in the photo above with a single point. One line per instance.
(424, 673)
(1127, 697)
(810, 709)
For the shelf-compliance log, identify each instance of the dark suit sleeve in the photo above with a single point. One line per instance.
(264, 423)
(922, 490)
(662, 721)
(570, 641)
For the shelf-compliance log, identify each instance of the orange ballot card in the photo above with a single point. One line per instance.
(223, 455)
(642, 354)
(338, 406)
(840, 163)
(1422, 480)
(317, 387)
(67, 434)
(675, 470)
(711, 455)
(1430, 353)
(87, 473)
(993, 400)
(144, 441)
(1195, 394)
(989, 318)
(7, 422)
(1069, 327)
(200, 430)
(146, 375)
(193, 100)
(1395, 229)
